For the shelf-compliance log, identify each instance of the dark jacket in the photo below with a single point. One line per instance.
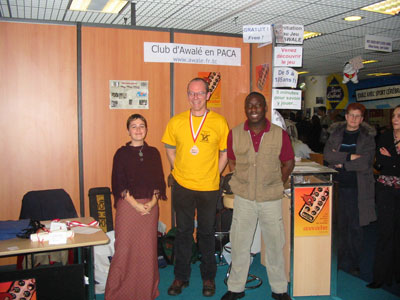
(388, 165)
(363, 165)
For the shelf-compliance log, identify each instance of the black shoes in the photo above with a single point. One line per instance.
(177, 286)
(232, 295)
(374, 285)
(283, 296)
(208, 288)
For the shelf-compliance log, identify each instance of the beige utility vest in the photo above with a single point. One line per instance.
(257, 176)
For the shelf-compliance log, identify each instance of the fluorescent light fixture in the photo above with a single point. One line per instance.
(104, 6)
(369, 61)
(302, 72)
(379, 74)
(389, 7)
(352, 18)
(308, 35)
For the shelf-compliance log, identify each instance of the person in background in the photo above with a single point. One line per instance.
(137, 185)
(324, 118)
(314, 135)
(261, 158)
(195, 141)
(350, 150)
(387, 253)
(300, 149)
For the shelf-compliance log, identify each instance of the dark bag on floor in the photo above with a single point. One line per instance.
(167, 242)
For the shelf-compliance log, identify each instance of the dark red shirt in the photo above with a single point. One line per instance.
(286, 150)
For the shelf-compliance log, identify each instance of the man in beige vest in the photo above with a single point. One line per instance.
(261, 158)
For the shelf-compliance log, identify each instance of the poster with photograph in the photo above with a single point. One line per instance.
(311, 211)
(129, 94)
(214, 86)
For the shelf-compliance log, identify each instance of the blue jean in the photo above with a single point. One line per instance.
(185, 202)
(349, 230)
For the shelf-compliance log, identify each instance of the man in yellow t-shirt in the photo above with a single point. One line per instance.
(195, 141)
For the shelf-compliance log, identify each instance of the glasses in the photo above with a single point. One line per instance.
(354, 116)
(198, 94)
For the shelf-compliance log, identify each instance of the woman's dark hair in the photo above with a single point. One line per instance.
(134, 117)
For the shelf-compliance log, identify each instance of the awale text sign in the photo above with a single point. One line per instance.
(286, 99)
(191, 54)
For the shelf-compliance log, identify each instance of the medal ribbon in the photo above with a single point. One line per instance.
(194, 136)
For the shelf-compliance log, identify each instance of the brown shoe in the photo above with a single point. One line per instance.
(177, 286)
(208, 288)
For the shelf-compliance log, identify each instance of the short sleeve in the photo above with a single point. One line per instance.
(287, 152)
(169, 136)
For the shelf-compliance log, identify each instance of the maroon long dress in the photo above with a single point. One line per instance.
(134, 267)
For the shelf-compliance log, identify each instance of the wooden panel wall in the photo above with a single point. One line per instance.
(117, 54)
(235, 81)
(262, 56)
(38, 115)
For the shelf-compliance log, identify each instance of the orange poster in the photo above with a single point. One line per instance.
(262, 72)
(311, 211)
(18, 289)
(214, 86)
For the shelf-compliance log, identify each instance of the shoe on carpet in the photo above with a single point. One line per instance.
(283, 296)
(177, 286)
(374, 285)
(208, 287)
(232, 295)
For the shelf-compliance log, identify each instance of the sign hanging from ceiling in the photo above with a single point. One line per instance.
(257, 34)
(288, 56)
(191, 54)
(383, 92)
(378, 43)
(284, 77)
(286, 99)
(289, 34)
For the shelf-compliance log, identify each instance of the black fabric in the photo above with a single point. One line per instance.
(47, 205)
(349, 144)
(100, 207)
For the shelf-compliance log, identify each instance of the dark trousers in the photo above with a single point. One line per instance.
(387, 252)
(349, 230)
(185, 202)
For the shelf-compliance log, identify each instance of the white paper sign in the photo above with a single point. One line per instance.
(257, 34)
(191, 54)
(284, 77)
(289, 34)
(286, 99)
(288, 56)
(378, 43)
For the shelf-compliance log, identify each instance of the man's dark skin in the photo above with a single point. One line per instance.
(255, 108)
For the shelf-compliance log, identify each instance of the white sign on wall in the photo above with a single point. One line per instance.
(257, 34)
(288, 56)
(191, 54)
(289, 34)
(284, 77)
(378, 43)
(286, 99)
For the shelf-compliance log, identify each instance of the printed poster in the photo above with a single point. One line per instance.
(262, 72)
(311, 211)
(214, 86)
(129, 94)
(18, 289)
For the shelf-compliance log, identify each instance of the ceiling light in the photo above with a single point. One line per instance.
(352, 18)
(302, 72)
(369, 61)
(389, 7)
(379, 74)
(308, 35)
(104, 6)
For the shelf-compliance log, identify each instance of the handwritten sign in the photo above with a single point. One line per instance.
(286, 99)
(288, 56)
(289, 34)
(257, 34)
(284, 77)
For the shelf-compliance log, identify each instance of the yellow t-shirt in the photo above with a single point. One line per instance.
(197, 172)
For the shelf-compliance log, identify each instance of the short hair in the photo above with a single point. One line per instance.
(256, 94)
(356, 106)
(134, 117)
(199, 79)
(322, 108)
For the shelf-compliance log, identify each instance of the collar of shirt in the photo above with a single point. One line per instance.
(256, 138)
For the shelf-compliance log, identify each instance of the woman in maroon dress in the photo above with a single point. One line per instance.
(137, 185)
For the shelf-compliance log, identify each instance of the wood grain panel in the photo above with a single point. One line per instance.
(117, 54)
(261, 56)
(38, 116)
(235, 80)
